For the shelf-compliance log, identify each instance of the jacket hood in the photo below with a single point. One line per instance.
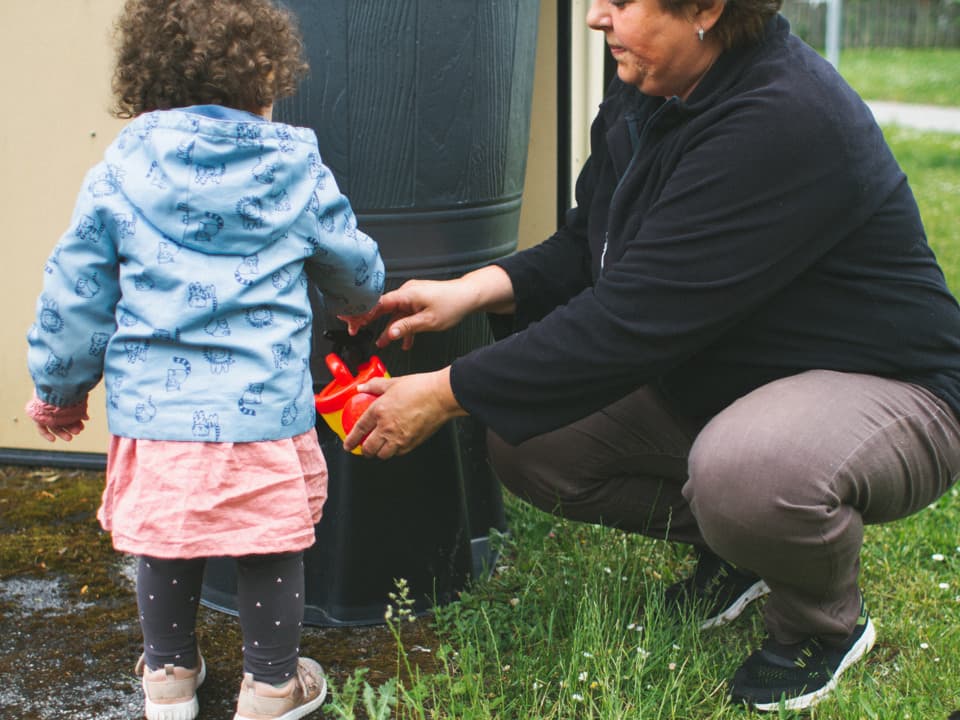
(216, 180)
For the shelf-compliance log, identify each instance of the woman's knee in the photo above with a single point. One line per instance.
(721, 476)
(742, 487)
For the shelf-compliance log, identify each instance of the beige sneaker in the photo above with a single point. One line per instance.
(299, 697)
(170, 693)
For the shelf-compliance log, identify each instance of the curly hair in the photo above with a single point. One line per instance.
(741, 23)
(242, 54)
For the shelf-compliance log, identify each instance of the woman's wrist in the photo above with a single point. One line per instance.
(443, 393)
(489, 289)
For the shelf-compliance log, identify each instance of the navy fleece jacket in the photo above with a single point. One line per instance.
(757, 230)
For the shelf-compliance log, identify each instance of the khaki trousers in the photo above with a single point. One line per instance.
(781, 482)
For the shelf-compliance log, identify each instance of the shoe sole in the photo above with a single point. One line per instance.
(302, 710)
(755, 591)
(859, 649)
(187, 710)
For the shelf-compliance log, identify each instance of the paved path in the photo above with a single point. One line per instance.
(921, 117)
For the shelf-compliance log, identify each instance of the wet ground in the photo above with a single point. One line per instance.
(68, 631)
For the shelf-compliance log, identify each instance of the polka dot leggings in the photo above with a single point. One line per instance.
(269, 600)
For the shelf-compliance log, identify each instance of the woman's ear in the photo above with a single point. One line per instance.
(707, 12)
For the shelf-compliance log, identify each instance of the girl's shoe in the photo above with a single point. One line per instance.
(299, 697)
(170, 693)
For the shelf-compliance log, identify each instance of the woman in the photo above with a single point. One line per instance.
(739, 339)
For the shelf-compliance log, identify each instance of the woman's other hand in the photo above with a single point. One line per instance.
(416, 306)
(407, 411)
(435, 305)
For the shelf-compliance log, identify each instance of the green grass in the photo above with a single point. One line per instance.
(570, 627)
(932, 163)
(557, 632)
(924, 76)
(931, 160)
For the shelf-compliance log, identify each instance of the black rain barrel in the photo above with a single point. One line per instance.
(422, 111)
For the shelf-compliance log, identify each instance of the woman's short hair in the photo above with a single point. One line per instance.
(741, 23)
(174, 53)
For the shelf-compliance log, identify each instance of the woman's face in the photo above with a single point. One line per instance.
(658, 52)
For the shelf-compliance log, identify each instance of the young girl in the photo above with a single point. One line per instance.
(182, 280)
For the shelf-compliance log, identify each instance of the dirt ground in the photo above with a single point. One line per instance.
(68, 632)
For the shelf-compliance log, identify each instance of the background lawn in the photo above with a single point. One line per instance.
(926, 76)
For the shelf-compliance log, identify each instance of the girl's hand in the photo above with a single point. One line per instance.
(54, 422)
(64, 432)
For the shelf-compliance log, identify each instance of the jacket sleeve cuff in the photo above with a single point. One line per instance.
(48, 414)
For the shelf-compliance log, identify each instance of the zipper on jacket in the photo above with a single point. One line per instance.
(637, 138)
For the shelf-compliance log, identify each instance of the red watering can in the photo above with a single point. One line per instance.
(339, 403)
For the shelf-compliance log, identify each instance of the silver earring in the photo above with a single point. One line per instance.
(700, 33)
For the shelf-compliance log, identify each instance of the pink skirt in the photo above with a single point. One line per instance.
(194, 499)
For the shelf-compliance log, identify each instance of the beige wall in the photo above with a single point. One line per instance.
(538, 215)
(56, 126)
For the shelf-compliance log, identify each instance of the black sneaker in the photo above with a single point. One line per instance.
(801, 674)
(717, 591)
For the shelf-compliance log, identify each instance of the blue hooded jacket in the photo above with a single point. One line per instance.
(182, 279)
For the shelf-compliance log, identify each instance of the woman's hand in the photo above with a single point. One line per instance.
(416, 306)
(408, 410)
(411, 408)
(435, 305)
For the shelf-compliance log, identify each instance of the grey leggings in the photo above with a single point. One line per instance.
(781, 482)
(270, 603)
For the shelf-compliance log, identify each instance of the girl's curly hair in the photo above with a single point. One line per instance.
(174, 53)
